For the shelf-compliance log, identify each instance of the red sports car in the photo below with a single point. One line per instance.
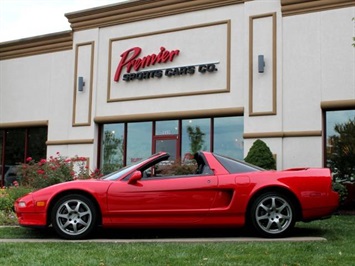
(221, 192)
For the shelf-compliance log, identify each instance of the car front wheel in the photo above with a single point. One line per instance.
(273, 215)
(74, 217)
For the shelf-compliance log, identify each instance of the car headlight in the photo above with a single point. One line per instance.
(22, 204)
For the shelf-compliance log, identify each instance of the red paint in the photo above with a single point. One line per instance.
(214, 198)
(130, 60)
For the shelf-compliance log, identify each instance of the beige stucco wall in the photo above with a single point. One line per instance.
(309, 59)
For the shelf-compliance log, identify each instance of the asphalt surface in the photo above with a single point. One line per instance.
(173, 240)
(167, 236)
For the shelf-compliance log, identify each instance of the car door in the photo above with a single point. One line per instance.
(169, 200)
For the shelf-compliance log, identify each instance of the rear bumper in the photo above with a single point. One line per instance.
(325, 210)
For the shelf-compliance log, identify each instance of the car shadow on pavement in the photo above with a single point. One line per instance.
(170, 233)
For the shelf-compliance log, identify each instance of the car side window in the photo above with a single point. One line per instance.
(175, 169)
(168, 169)
(163, 169)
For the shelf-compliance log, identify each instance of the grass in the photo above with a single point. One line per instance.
(339, 249)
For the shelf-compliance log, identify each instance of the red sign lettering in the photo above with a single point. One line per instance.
(130, 60)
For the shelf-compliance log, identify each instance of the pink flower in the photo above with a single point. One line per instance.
(29, 159)
(42, 162)
(41, 172)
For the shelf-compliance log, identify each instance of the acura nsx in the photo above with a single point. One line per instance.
(216, 191)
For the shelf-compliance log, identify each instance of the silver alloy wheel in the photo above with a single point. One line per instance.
(273, 214)
(73, 217)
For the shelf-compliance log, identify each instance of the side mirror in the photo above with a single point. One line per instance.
(137, 175)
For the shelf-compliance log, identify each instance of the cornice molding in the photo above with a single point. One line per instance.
(133, 11)
(171, 115)
(140, 10)
(70, 142)
(297, 7)
(48, 43)
(283, 134)
(39, 123)
(337, 105)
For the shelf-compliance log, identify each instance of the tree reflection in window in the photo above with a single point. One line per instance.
(112, 152)
(341, 147)
(195, 136)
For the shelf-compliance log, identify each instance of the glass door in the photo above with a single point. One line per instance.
(169, 144)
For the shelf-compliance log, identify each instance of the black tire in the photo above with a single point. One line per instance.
(273, 215)
(74, 217)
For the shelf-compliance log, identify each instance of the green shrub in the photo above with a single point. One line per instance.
(342, 191)
(54, 170)
(260, 155)
(6, 202)
(9, 195)
(8, 218)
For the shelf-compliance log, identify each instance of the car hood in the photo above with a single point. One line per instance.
(94, 186)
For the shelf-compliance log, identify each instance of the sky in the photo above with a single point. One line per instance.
(28, 18)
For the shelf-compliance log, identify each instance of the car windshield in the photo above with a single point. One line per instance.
(118, 174)
(236, 166)
(125, 170)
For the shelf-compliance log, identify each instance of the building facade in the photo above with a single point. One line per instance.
(138, 77)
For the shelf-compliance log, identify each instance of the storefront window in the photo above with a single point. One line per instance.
(136, 140)
(36, 138)
(15, 146)
(170, 127)
(18, 143)
(228, 137)
(340, 142)
(112, 148)
(139, 141)
(2, 169)
(196, 134)
(1, 144)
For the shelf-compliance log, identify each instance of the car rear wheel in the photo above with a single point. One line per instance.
(273, 215)
(74, 217)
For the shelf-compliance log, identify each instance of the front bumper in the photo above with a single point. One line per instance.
(28, 214)
(31, 219)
